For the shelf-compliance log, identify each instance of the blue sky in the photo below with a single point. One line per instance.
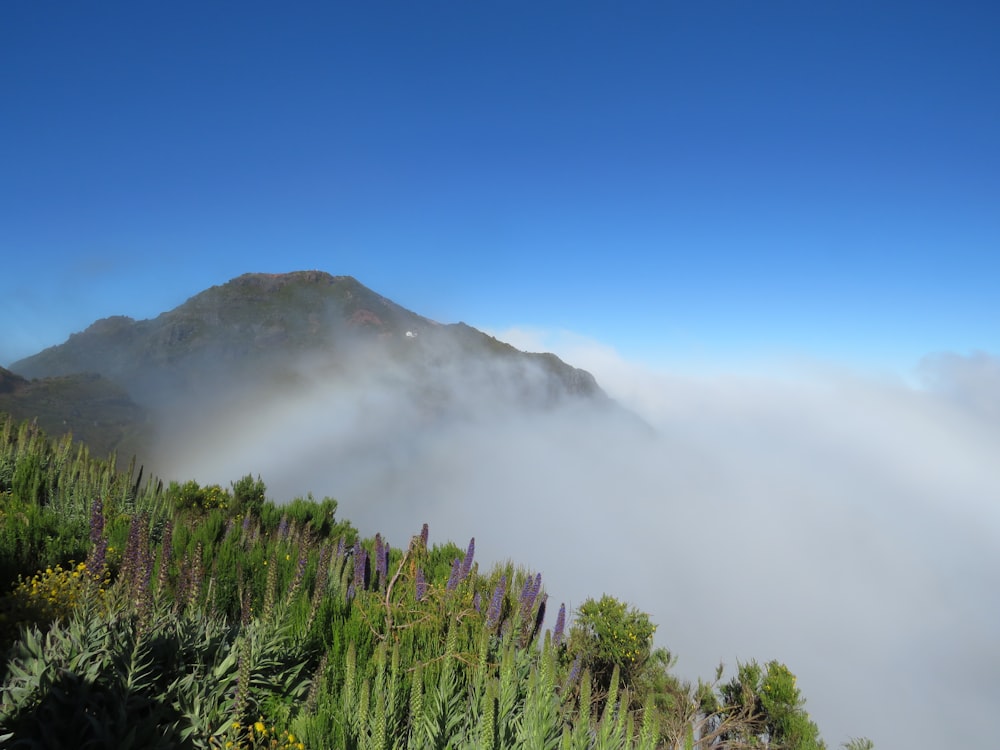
(687, 182)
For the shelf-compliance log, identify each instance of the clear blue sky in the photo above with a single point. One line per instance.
(679, 180)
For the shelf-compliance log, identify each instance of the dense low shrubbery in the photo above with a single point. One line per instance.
(203, 617)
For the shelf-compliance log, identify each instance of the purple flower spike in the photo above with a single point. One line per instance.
(525, 591)
(456, 569)
(574, 674)
(496, 603)
(527, 598)
(477, 602)
(424, 534)
(421, 585)
(283, 528)
(383, 562)
(381, 559)
(98, 553)
(96, 520)
(360, 566)
(557, 633)
(467, 562)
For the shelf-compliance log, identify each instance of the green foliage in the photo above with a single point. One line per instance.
(610, 635)
(248, 495)
(771, 699)
(203, 617)
(190, 496)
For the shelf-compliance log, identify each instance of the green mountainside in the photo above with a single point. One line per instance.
(95, 410)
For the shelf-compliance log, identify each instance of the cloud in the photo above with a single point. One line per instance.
(972, 381)
(843, 524)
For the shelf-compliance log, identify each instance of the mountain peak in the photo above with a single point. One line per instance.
(260, 324)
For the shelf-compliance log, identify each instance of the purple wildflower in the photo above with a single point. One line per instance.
(557, 633)
(574, 674)
(360, 566)
(527, 598)
(421, 585)
(98, 557)
(456, 567)
(137, 566)
(467, 562)
(166, 555)
(283, 528)
(525, 591)
(477, 602)
(381, 559)
(99, 551)
(496, 603)
(246, 524)
(424, 534)
(130, 558)
(96, 520)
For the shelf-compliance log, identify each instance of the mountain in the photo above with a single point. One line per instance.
(94, 409)
(260, 326)
(236, 346)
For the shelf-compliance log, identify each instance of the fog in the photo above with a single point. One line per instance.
(842, 523)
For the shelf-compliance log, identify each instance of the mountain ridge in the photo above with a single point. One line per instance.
(259, 334)
(257, 314)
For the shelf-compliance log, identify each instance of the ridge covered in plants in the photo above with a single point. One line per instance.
(138, 614)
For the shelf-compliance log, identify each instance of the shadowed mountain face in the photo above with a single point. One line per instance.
(241, 345)
(94, 409)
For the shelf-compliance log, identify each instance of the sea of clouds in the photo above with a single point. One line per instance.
(843, 523)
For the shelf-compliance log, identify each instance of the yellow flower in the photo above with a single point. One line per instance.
(259, 726)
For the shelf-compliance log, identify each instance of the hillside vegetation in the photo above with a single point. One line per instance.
(142, 615)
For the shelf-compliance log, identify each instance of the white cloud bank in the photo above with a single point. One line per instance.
(844, 525)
